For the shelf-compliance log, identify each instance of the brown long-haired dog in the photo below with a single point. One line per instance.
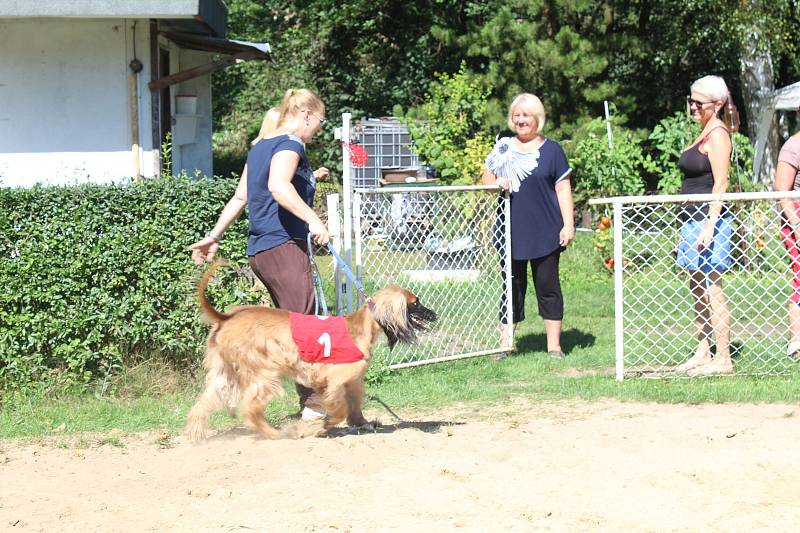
(251, 348)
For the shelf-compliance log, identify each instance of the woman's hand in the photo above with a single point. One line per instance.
(321, 173)
(204, 250)
(488, 178)
(319, 233)
(566, 235)
(705, 237)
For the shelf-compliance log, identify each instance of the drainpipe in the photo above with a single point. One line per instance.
(133, 88)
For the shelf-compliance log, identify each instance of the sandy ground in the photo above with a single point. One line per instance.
(600, 466)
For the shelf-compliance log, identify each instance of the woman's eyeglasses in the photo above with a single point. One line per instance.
(696, 103)
(322, 120)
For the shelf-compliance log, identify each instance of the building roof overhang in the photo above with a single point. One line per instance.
(197, 16)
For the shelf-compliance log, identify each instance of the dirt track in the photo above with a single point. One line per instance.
(603, 466)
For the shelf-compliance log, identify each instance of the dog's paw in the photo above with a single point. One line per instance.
(368, 426)
(303, 429)
(196, 437)
(291, 432)
(197, 431)
(372, 426)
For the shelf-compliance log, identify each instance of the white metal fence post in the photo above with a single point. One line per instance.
(347, 191)
(357, 219)
(618, 300)
(508, 259)
(335, 230)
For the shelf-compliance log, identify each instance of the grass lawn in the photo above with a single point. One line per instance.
(155, 398)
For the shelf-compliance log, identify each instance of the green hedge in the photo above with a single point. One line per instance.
(96, 277)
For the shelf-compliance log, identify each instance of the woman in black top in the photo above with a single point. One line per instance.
(705, 246)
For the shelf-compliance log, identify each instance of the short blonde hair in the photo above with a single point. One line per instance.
(532, 102)
(295, 100)
(713, 87)
(269, 124)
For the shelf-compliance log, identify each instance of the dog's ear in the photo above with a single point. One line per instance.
(391, 338)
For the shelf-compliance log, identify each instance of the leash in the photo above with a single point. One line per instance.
(319, 293)
(389, 409)
(350, 275)
(317, 278)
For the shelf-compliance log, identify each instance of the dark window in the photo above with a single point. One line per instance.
(165, 120)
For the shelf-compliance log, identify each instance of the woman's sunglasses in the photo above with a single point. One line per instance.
(696, 103)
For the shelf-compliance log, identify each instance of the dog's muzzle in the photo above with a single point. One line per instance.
(420, 315)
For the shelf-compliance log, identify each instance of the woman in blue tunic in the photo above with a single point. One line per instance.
(536, 172)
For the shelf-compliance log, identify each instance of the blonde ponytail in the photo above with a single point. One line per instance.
(269, 124)
(295, 100)
(731, 114)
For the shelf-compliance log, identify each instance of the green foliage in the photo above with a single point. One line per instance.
(741, 176)
(230, 149)
(446, 128)
(669, 138)
(472, 165)
(360, 56)
(377, 373)
(604, 171)
(95, 277)
(166, 155)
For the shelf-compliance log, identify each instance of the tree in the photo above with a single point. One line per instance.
(367, 56)
(448, 128)
(553, 48)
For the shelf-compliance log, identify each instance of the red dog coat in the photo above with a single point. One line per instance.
(323, 339)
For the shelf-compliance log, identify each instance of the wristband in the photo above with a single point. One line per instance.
(213, 237)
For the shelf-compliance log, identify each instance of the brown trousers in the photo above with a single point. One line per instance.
(286, 273)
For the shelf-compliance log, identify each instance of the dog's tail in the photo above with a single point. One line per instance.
(211, 315)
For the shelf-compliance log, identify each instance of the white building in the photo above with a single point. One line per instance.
(89, 89)
(784, 99)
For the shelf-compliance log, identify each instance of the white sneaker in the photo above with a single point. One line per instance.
(310, 414)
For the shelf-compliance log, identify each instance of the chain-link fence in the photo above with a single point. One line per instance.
(666, 296)
(445, 245)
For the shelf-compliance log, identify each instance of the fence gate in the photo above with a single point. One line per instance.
(655, 313)
(443, 244)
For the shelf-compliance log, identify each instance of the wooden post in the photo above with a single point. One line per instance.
(134, 95)
(194, 72)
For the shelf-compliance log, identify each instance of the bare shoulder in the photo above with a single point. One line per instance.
(718, 143)
(719, 137)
